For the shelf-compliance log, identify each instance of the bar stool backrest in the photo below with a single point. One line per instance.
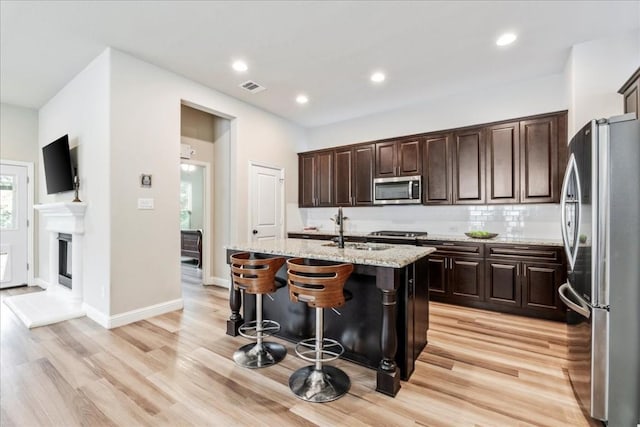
(320, 286)
(254, 276)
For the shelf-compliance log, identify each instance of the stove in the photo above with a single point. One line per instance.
(386, 233)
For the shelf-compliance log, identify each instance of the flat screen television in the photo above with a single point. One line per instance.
(58, 170)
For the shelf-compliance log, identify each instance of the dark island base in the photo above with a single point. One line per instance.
(360, 324)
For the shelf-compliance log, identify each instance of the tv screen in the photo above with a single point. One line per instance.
(58, 171)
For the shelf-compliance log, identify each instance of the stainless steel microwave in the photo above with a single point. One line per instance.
(401, 190)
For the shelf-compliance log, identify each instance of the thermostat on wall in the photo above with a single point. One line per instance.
(145, 180)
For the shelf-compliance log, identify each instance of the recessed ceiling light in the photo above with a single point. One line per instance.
(506, 39)
(378, 77)
(302, 99)
(240, 66)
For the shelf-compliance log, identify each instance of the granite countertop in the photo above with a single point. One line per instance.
(450, 237)
(395, 256)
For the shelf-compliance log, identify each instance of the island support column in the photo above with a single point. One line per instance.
(388, 374)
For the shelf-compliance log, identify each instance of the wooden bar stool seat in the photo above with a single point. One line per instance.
(320, 287)
(257, 277)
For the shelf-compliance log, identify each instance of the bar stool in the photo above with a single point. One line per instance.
(320, 286)
(257, 276)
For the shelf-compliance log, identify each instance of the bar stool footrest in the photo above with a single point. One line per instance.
(250, 329)
(331, 350)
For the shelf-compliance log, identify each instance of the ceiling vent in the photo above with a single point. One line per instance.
(252, 86)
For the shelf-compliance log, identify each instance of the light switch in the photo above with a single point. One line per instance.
(145, 203)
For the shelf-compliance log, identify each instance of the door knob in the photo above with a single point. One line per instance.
(255, 231)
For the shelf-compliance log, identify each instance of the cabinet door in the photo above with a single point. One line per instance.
(539, 160)
(409, 159)
(437, 274)
(307, 181)
(343, 177)
(364, 161)
(503, 282)
(466, 278)
(386, 159)
(324, 179)
(437, 170)
(468, 167)
(503, 163)
(540, 284)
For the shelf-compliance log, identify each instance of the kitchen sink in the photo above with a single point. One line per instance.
(360, 246)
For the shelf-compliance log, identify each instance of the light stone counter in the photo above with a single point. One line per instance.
(394, 256)
(449, 237)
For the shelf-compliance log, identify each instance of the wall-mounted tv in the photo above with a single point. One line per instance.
(58, 170)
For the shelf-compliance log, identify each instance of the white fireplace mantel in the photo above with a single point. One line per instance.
(57, 303)
(63, 217)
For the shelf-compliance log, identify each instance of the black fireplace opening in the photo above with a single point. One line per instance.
(64, 259)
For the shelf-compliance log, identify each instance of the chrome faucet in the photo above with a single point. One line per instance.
(339, 220)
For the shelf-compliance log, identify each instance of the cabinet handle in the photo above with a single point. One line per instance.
(524, 270)
(517, 269)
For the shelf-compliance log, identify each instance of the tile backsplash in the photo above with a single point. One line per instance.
(534, 221)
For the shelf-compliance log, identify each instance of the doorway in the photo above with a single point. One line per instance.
(195, 217)
(16, 217)
(266, 202)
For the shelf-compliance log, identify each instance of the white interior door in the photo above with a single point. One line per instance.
(266, 202)
(13, 225)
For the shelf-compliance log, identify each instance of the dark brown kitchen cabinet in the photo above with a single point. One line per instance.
(631, 94)
(398, 158)
(456, 272)
(503, 163)
(437, 185)
(316, 179)
(468, 166)
(363, 172)
(539, 147)
(343, 182)
(524, 279)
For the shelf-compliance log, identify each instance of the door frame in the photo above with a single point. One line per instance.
(30, 226)
(207, 202)
(250, 192)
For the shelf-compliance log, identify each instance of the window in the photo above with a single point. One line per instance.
(7, 202)
(186, 205)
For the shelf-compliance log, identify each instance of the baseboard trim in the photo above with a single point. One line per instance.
(216, 281)
(40, 282)
(115, 321)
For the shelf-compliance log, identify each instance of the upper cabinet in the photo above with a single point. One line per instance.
(316, 179)
(631, 93)
(539, 148)
(398, 158)
(503, 163)
(436, 183)
(517, 161)
(468, 166)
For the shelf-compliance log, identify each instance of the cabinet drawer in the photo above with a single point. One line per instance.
(517, 252)
(455, 248)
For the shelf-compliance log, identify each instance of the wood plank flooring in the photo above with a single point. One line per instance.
(479, 369)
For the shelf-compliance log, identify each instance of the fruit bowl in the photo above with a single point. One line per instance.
(480, 235)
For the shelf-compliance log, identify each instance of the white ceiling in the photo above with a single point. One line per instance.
(325, 49)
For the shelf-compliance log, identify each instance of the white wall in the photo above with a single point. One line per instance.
(81, 110)
(145, 137)
(537, 96)
(595, 72)
(18, 133)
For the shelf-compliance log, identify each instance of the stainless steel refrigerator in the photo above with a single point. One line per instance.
(600, 205)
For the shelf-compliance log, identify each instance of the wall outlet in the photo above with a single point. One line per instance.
(145, 204)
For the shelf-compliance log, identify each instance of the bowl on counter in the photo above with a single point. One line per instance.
(480, 235)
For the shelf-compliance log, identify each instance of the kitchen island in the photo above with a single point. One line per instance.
(383, 326)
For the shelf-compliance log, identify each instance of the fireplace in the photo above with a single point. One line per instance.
(64, 259)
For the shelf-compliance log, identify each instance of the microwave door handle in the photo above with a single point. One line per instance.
(410, 193)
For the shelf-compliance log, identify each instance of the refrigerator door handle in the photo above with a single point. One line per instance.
(572, 169)
(580, 307)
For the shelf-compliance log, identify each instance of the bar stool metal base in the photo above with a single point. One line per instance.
(259, 355)
(319, 386)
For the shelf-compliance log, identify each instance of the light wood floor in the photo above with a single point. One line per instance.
(479, 369)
